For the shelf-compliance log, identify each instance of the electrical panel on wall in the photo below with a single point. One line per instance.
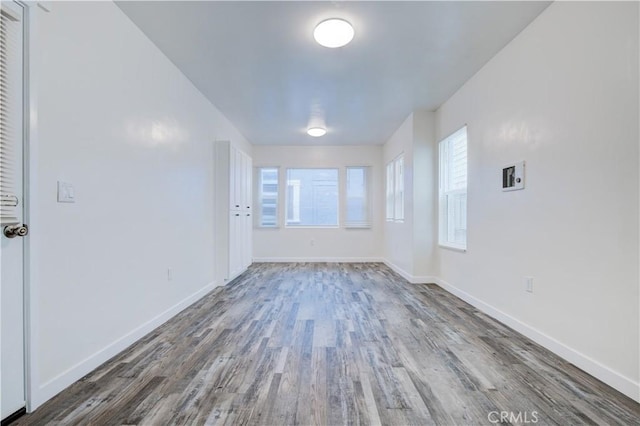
(513, 177)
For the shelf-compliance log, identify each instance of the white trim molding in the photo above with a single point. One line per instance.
(32, 209)
(54, 386)
(317, 260)
(601, 372)
(413, 279)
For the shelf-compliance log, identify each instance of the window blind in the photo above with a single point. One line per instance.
(453, 190)
(456, 161)
(268, 196)
(312, 197)
(10, 115)
(358, 207)
(390, 191)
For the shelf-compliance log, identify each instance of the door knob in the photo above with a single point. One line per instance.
(13, 231)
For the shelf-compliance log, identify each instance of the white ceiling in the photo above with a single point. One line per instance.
(259, 64)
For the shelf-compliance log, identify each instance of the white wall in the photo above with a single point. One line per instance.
(122, 124)
(398, 236)
(130, 132)
(329, 244)
(563, 96)
(409, 246)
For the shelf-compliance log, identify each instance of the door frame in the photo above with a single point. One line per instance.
(30, 137)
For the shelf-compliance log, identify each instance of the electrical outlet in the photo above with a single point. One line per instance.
(169, 274)
(528, 284)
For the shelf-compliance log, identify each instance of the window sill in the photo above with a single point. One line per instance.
(460, 249)
(312, 227)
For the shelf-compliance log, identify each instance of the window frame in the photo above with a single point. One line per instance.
(445, 194)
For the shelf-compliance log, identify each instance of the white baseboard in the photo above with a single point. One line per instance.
(413, 279)
(316, 259)
(614, 379)
(54, 386)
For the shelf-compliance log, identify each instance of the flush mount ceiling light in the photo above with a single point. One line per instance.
(316, 132)
(333, 33)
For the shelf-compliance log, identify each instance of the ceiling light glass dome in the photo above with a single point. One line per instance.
(333, 33)
(316, 132)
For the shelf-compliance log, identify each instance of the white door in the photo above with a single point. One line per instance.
(12, 371)
(234, 203)
(247, 226)
(234, 244)
(238, 178)
(247, 178)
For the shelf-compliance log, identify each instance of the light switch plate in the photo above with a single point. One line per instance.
(66, 193)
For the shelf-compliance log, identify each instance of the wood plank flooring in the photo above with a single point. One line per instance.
(334, 344)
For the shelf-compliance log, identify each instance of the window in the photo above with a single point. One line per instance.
(390, 191)
(312, 197)
(268, 196)
(357, 194)
(395, 189)
(453, 190)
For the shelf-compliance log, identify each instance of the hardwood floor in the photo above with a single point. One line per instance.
(334, 344)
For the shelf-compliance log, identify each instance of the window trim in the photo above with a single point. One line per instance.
(443, 217)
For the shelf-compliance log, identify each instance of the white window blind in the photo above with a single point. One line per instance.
(390, 191)
(312, 197)
(453, 190)
(293, 201)
(358, 209)
(11, 57)
(268, 196)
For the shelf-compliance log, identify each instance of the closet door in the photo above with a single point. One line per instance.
(247, 240)
(247, 175)
(233, 205)
(235, 244)
(238, 178)
(248, 207)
